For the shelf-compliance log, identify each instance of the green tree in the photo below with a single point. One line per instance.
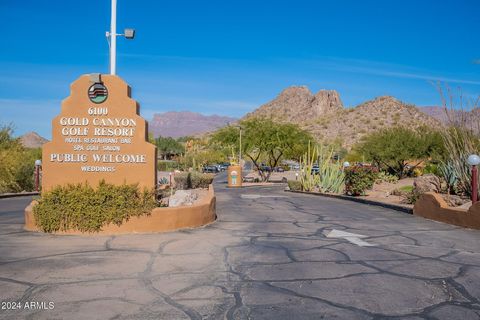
(265, 141)
(16, 163)
(168, 146)
(395, 148)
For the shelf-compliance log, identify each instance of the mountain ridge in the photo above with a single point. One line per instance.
(185, 123)
(324, 116)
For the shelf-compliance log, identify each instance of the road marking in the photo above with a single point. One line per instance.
(350, 237)
(256, 196)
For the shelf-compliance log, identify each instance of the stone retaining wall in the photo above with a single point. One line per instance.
(432, 206)
(160, 220)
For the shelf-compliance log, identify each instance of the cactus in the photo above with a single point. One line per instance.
(330, 177)
(308, 180)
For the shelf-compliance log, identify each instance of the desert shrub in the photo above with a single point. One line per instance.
(402, 191)
(417, 172)
(295, 185)
(359, 179)
(81, 207)
(410, 197)
(166, 165)
(17, 163)
(433, 168)
(386, 177)
(193, 180)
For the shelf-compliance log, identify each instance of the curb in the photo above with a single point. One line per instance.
(359, 200)
(20, 194)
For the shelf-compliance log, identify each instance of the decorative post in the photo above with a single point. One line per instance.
(474, 160)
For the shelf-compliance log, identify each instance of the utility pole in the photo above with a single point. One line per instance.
(240, 154)
(113, 39)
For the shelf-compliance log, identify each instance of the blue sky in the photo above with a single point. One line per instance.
(229, 57)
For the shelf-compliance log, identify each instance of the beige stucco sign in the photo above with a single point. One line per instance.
(99, 134)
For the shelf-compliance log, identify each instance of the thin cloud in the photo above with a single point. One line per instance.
(370, 67)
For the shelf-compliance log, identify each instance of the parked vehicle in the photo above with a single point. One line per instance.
(224, 166)
(278, 169)
(295, 167)
(315, 169)
(265, 168)
(210, 169)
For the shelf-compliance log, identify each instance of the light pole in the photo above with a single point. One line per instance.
(474, 160)
(240, 150)
(38, 165)
(112, 36)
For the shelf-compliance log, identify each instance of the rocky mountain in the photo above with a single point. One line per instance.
(298, 104)
(185, 123)
(323, 114)
(32, 140)
(349, 125)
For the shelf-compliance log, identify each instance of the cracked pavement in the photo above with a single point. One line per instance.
(266, 257)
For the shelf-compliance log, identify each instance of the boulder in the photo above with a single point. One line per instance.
(182, 198)
(427, 183)
(456, 201)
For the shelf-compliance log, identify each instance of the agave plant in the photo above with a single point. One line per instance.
(448, 173)
(331, 175)
(460, 143)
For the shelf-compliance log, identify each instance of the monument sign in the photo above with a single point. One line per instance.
(99, 135)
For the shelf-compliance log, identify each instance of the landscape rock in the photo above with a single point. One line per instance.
(427, 183)
(457, 201)
(182, 198)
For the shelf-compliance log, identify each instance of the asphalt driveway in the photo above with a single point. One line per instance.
(270, 255)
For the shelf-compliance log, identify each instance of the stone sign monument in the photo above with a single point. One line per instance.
(99, 135)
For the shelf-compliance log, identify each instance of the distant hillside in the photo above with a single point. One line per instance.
(464, 118)
(185, 123)
(323, 114)
(438, 113)
(32, 140)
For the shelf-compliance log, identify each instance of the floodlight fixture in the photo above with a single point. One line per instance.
(129, 33)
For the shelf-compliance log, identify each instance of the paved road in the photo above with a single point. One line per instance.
(267, 257)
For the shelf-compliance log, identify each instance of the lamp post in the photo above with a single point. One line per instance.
(240, 150)
(474, 160)
(38, 165)
(112, 36)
